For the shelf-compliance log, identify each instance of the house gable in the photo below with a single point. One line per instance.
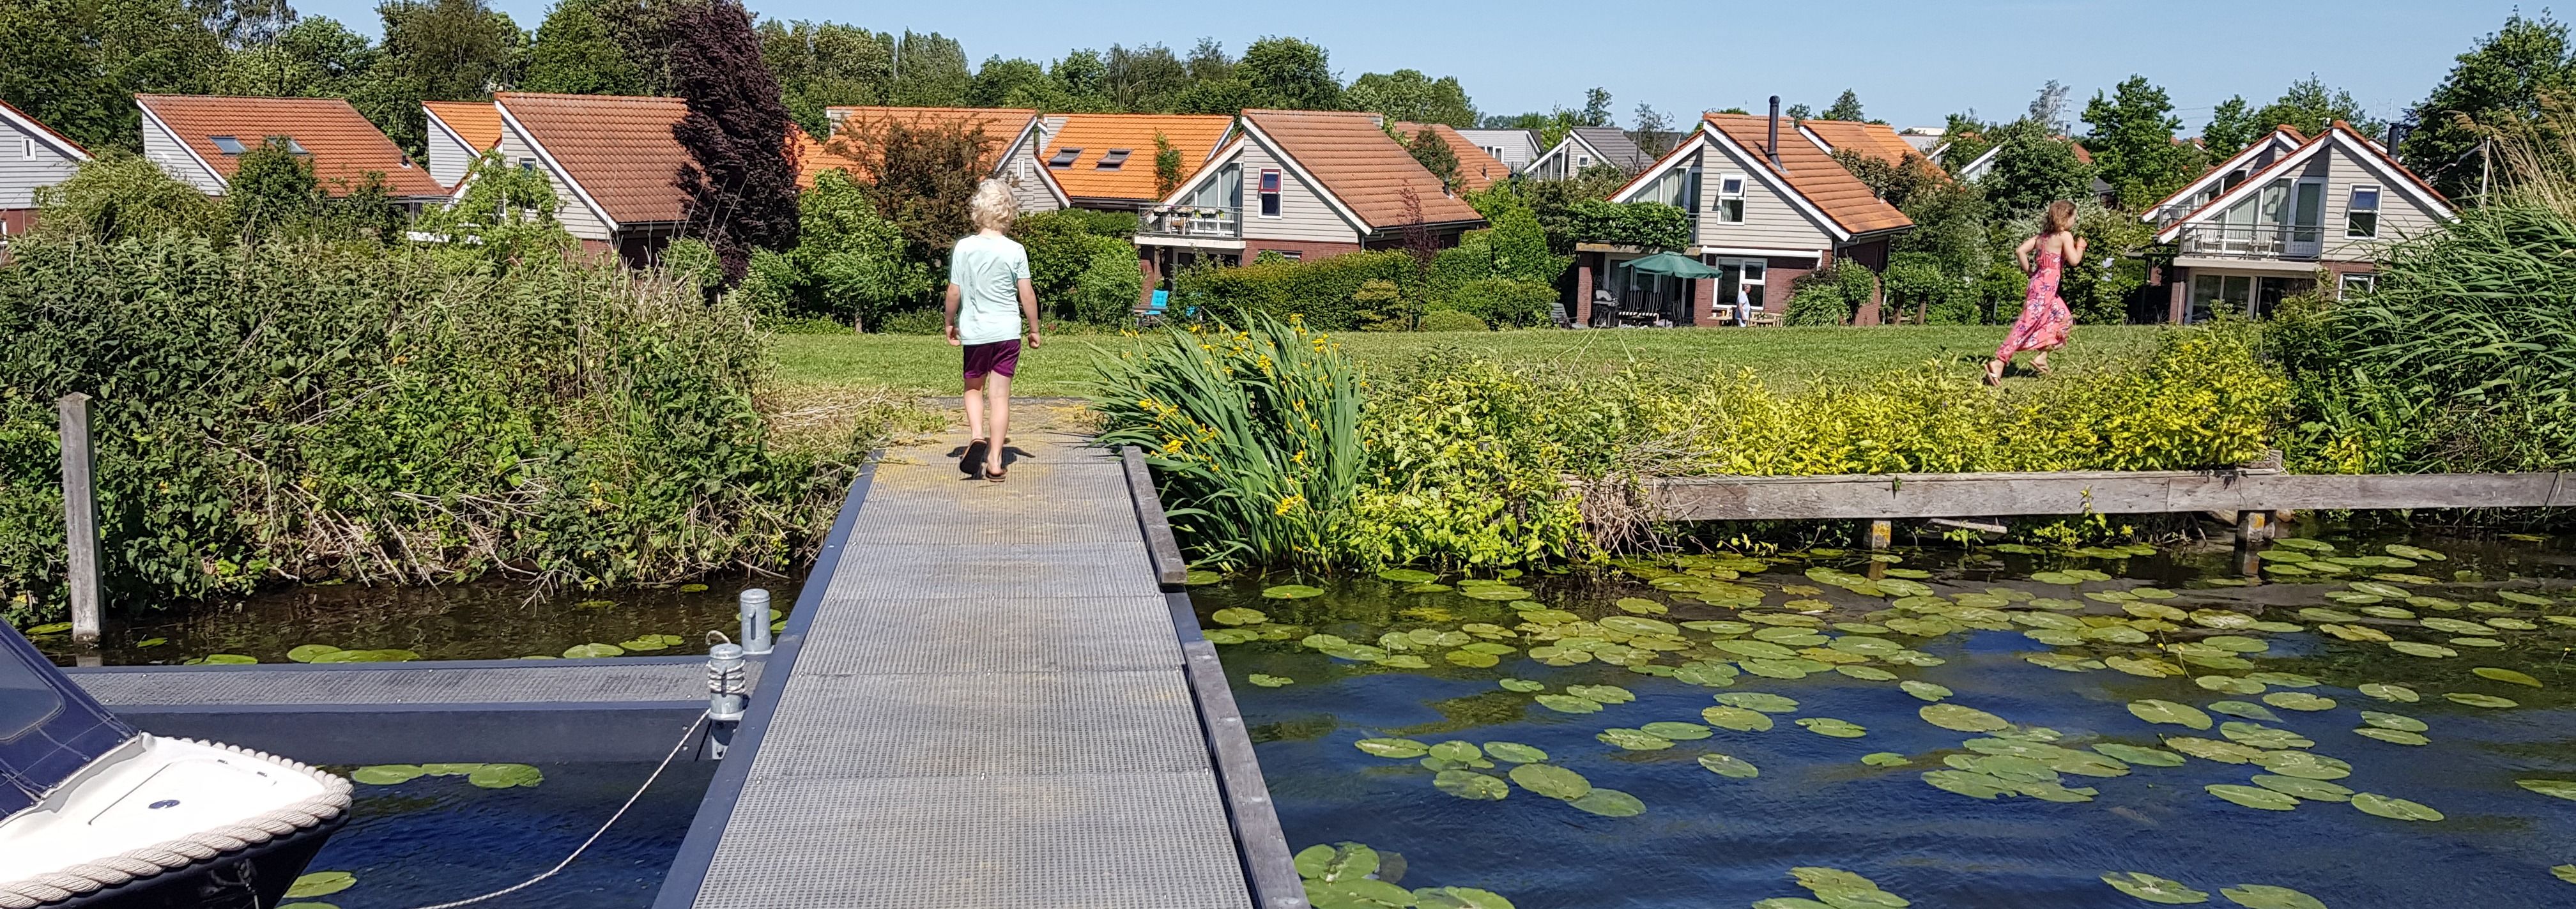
(162, 146)
(1776, 217)
(579, 213)
(2343, 159)
(1307, 210)
(32, 157)
(2282, 140)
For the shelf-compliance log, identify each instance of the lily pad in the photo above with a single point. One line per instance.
(505, 776)
(2564, 789)
(2488, 701)
(1604, 694)
(1727, 765)
(386, 774)
(2266, 896)
(2162, 711)
(1239, 615)
(2307, 789)
(2298, 700)
(1828, 726)
(1551, 781)
(1609, 803)
(2393, 808)
(2243, 709)
(2564, 872)
(2150, 757)
(1291, 591)
(1736, 718)
(1407, 576)
(1514, 752)
(1521, 685)
(1884, 759)
(2388, 692)
(1393, 748)
(2253, 797)
(592, 651)
(1338, 862)
(1459, 898)
(2392, 736)
(1973, 785)
(2154, 889)
(227, 659)
(309, 652)
(2261, 736)
(321, 883)
(2507, 675)
(2421, 649)
(1961, 719)
(1676, 731)
(2305, 765)
(1924, 691)
(1633, 739)
(1566, 703)
(1756, 700)
(1470, 785)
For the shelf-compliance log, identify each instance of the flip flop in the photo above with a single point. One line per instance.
(973, 463)
(996, 476)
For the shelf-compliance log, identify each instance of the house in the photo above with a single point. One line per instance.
(1925, 139)
(1477, 170)
(1105, 162)
(1876, 140)
(612, 161)
(2269, 223)
(1516, 148)
(1304, 185)
(1004, 130)
(32, 157)
(1766, 204)
(200, 139)
(1585, 146)
(459, 132)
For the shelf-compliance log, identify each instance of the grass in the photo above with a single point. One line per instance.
(926, 364)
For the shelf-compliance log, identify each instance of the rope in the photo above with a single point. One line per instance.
(171, 855)
(685, 738)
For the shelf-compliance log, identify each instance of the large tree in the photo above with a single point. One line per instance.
(575, 53)
(1147, 79)
(930, 71)
(740, 182)
(2033, 168)
(1017, 82)
(314, 58)
(1845, 107)
(820, 65)
(1407, 94)
(2133, 142)
(1291, 73)
(2231, 127)
(2498, 85)
(2309, 106)
(77, 64)
(436, 50)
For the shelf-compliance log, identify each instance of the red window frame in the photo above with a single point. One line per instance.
(1269, 191)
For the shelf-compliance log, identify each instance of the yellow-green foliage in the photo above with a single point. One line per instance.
(1466, 467)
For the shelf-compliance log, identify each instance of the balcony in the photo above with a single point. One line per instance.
(1191, 221)
(2251, 241)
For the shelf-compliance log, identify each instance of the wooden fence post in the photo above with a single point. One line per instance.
(80, 516)
(1882, 534)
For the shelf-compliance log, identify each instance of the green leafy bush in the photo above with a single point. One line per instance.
(1110, 287)
(1506, 302)
(119, 195)
(1064, 247)
(1324, 292)
(1452, 320)
(1817, 303)
(1652, 225)
(849, 263)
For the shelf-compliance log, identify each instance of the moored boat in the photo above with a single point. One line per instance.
(95, 813)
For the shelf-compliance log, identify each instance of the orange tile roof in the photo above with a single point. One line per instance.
(1000, 125)
(1476, 169)
(1877, 140)
(23, 118)
(476, 122)
(1812, 174)
(813, 158)
(1194, 136)
(343, 145)
(617, 149)
(1359, 165)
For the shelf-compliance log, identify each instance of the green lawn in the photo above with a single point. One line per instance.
(926, 364)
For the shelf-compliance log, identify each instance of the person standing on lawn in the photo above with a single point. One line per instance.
(2045, 319)
(991, 306)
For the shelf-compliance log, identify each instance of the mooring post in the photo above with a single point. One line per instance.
(2253, 526)
(1882, 534)
(80, 516)
(755, 622)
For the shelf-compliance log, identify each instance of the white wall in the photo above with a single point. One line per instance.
(576, 216)
(21, 175)
(1303, 213)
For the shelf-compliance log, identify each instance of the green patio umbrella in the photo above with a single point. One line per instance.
(1674, 264)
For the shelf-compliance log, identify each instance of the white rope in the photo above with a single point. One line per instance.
(160, 858)
(685, 738)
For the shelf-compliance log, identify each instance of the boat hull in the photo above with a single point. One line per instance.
(256, 877)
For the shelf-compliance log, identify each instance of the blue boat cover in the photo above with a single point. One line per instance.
(49, 727)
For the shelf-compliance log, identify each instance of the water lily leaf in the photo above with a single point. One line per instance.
(1454, 750)
(1338, 862)
(2310, 790)
(1407, 576)
(2304, 765)
(1291, 591)
(226, 659)
(2507, 675)
(1496, 592)
(308, 652)
(2298, 700)
(1606, 694)
(2392, 736)
(1884, 759)
(1470, 785)
(1459, 898)
(2261, 736)
(2393, 808)
(2392, 721)
(1736, 718)
(2564, 872)
(1756, 700)
(2388, 692)
(1514, 752)
(2228, 683)
(1633, 739)
(1967, 783)
(1925, 691)
(1676, 731)
(2144, 667)
(1521, 685)
(2564, 789)
(2480, 700)
(2516, 596)
(1239, 615)
(2244, 709)
(505, 776)
(1393, 748)
(1610, 803)
(2214, 750)
(1729, 765)
(2161, 711)
(1214, 636)
(1866, 673)
(2154, 889)
(592, 651)
(2266, 896)
(2253, 797)
(321, 883)
(1566, 703)
(1551, 781)
(2151, 757)
(1828, 726)
(2421, 649)
(1961, 719)
(386, 774)
(1472, 659)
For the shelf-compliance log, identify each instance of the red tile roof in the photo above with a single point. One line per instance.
(813, 158)
(1000, 125)
(2253, 181)
(1476, 169)
(344, 147)
(22, 118)
(476, 122)
(1359, 165)
(618, 150)
(1194, 136)
(1877, 140)
(1812, 174)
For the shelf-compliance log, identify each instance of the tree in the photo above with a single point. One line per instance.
(76, 65)
(1009, 83)
(930, 71)
(2310, 107)
(1894, 182)
(1168, 165)
(1080, 82)
(2033, 168)
(2231, 128)
(506, 215)
(314, 58)
(1430, 151)
(1596, 107)
(821, 65)
(851, 260)
(2133, 143)
(740, 182)
(272, 191)
(1408, 95)
(120, 194)
(435, 50)
(247, 23)
(2498, 84)
(1209, 62)
(1845, 107)
(574, 53)
(924, 177)
(2049, 108)
(1654, 132)
(1292, 74)
(1146, 79)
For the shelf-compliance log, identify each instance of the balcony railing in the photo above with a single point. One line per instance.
(1192, 221)
(2252, 241)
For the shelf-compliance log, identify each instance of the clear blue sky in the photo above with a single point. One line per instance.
(1912, 62)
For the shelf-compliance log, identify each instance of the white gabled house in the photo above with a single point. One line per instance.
(32, 157)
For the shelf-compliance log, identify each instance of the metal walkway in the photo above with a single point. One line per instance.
(985, 706)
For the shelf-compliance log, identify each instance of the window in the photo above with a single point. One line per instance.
(528, 164)
(1740, 281)
(1678, 188)
(1582, 161)
(2361, 218)
(1730, 198)
(1270, 194)
(293, 147)
(1116, 158)
(28, 151)
(226, 144)
(1064, 158)
(2358, 282)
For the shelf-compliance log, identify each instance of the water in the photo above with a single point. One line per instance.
(1708, 840)
(437, 839)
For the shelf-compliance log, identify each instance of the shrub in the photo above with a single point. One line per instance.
(1652, 225)
(1506, 302)
(1107, 292)
(1324, 292)
(1817, 303)
(1063, 245)
(848, 264)
(1452, 320)
(119, 195)
(915, 322)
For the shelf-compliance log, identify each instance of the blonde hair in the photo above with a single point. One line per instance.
(993, 207)
(2060, 218)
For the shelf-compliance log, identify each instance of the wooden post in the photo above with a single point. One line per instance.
(2253, 526)
(80, 516)
(1882, 533)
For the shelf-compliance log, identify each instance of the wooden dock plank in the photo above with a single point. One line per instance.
(1881, 496)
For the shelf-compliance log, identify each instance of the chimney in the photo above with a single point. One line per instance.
(1773, 150)
(2396, 134)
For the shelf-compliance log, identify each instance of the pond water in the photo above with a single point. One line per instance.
(478, 621)
(1943, 725)
(437, 838)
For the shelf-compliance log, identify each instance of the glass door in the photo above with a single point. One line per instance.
(2305, 237)
(2272, 219)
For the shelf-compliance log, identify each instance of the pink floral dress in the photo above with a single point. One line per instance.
(2044, 317)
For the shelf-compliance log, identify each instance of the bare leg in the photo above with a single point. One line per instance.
(1001, 395)
(975, 407)
(2040, 362)
(1995, 370)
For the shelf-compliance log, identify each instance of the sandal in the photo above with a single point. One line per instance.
(972, 464)
(995, 476)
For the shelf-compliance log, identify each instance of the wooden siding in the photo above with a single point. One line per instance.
(448, 159)
(2400, 216)
(164, 149)
(1020, 170)
(1771, 221)
(21, 176)
(1303, 213)
(576, 216)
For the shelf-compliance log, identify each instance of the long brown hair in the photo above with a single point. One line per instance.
(2060, 218)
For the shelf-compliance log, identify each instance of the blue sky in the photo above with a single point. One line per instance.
(1911, 62)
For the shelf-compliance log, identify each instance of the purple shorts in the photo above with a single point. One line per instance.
(998, 356)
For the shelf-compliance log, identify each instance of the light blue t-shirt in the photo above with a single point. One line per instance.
(987, 271)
